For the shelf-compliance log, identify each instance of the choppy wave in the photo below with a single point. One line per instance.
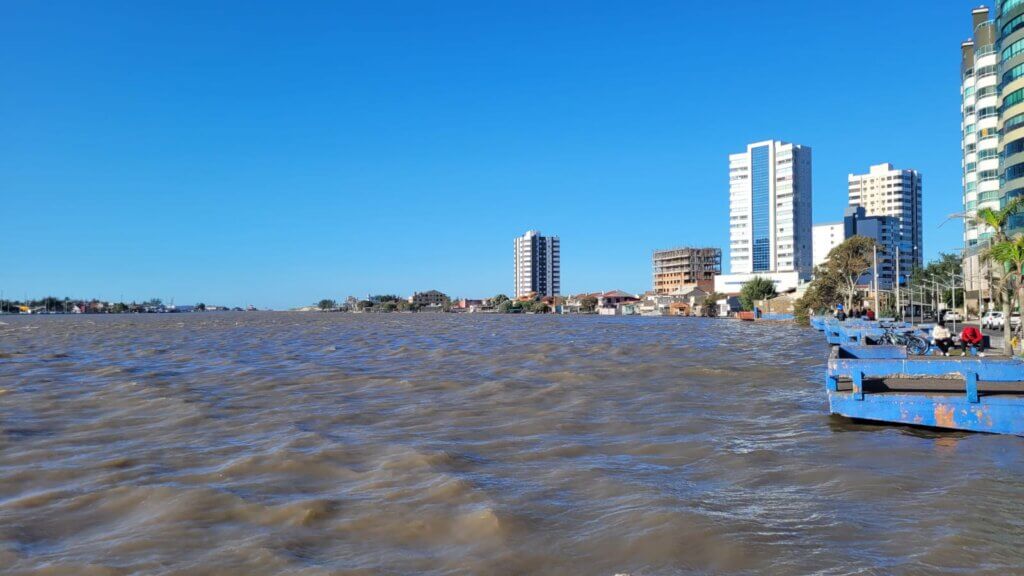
(468, 444)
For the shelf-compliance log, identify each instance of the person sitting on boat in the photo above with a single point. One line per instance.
(970, 338)
(869, 314)
(942, 338)
(840, 315)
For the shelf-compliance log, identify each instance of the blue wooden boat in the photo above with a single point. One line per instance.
(818, 323)
(881, 383)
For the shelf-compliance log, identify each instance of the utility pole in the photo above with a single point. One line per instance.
(952, 286)
(911, 288)
(874, 274)
(899, 302)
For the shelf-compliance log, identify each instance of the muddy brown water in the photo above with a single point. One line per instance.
(287, 443)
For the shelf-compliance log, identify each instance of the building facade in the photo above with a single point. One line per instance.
(884, 230)
(678, 267)
(770, 230)
(887, 191)
(826, 237)
(537, 265)
(992, 110)
(429, 298)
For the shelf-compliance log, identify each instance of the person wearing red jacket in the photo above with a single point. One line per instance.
(970, 337)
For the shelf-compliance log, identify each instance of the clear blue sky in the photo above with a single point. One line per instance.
(275, 153)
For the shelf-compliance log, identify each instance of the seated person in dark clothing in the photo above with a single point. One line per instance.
(942, 338)
(970, 338)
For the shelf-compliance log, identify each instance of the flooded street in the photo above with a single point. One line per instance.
(288, 443)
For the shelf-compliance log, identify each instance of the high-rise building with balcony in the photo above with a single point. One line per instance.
(679, 267)
(887, 191)
(769, 216)
(1008, 32)
(538, 265)
(992, 109)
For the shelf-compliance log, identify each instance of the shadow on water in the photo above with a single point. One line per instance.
(842, 424)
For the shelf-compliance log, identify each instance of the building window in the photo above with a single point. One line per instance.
(1015, 48)
(1013, 98)
(1013, 25)
(760, 208)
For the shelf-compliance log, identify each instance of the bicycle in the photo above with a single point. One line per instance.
(916, 345)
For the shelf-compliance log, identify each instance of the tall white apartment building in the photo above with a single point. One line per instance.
(769, 216)
(992, 131)
(887, 191)
(538, 265)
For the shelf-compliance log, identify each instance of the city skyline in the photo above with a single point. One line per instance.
(232, 172)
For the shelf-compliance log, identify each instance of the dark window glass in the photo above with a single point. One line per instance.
(1013, 122)
(1014, 24)
(1013, 98)
(1015, 147)
(760, 192)
(1012, 173)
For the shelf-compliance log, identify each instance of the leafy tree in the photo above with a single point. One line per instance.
(757, 288)
(365, 305)
(327, 304)
(381, 298)
(201, 307)
(821, 295)
(836, 280)
(588, 303)
(1010, 253)
(710, 307)
(848, 263)
(941, 271)
(498, 300)
(506, 306)
(388, 306)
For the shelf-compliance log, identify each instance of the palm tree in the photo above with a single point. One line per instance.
(1010, 253)
(998, 221)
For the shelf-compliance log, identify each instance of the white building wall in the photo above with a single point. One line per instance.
(887, 191)
(790, 199)
(537, 264)
(827, 237)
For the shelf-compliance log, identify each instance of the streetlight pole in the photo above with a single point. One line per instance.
(952, 286)
(899, 302)
(874, 274)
